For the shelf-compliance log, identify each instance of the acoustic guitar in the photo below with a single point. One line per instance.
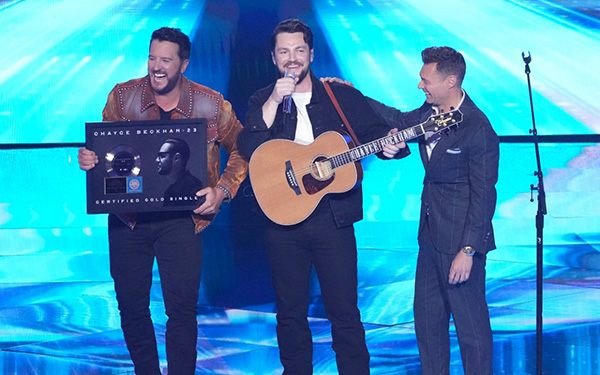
(289, 179)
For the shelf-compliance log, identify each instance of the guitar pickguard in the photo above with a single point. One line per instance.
(321, 175)
(313, 186)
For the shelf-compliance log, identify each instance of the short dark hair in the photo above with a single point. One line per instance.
(291, 26)
(174, 35)
(180, 146)
(449, 61)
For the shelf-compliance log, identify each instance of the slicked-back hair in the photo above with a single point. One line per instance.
(173, 35)
(449, 61)
(291, 26)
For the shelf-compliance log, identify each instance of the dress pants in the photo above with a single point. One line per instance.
(171, 240)
(292, 251)
(436, 300)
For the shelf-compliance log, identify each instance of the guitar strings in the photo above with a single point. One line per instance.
(346, 156)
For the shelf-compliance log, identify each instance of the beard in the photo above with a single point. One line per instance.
(164, 167)
(303, 73)
(162, 171)
(171, 83)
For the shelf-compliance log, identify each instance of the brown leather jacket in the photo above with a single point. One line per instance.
(134, 101)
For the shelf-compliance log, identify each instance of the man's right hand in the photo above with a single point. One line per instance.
(284, 86)
(87, 159)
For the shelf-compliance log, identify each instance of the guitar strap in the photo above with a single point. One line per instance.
(340, 112)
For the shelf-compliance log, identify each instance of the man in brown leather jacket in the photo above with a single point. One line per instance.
(170, 237)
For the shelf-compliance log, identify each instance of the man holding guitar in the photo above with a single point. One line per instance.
(324, 238)
(457, 206)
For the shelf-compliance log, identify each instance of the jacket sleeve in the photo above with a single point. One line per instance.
(237, 167)
(392, 118)
(111, 109)
(255, 131)
(483, 175)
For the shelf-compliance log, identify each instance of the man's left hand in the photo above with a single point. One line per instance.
(389, 150)
(212, 204)
(460, 269)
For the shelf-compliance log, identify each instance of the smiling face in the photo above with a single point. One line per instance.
(292, 53)
(435, 86)
(165, 66)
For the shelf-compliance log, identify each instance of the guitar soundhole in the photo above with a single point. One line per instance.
(320, 168)
(321, 175)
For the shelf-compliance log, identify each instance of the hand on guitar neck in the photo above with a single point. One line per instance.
(390, 150)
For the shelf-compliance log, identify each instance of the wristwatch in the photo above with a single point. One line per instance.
(468, 250)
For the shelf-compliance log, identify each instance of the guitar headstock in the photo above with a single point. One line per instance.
(443, 121)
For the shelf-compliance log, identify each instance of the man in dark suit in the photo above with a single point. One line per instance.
(455, 230)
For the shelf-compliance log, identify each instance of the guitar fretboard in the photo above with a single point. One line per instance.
(373, 147)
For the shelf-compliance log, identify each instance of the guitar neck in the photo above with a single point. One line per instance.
(373, 147)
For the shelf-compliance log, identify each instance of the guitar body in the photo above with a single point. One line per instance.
(289, 179)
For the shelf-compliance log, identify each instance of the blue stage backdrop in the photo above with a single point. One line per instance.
(61, 58)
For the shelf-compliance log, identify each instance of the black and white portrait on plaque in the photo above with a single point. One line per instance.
(146, 165)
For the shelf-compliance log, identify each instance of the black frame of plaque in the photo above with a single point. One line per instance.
(126, 178)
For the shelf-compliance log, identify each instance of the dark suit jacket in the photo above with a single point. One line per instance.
(459, 194)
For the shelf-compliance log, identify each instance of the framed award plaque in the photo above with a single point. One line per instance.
(146, 166)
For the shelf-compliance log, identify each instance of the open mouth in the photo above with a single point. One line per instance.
(292, 66)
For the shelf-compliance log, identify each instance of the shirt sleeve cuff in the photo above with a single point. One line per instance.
(226, 191)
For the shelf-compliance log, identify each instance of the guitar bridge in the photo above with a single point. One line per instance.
(291, 178)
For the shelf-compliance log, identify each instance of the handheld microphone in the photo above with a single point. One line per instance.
(287, 100)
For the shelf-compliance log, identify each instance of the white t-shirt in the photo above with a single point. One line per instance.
(304, 133)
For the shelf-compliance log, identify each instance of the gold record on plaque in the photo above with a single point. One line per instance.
(123, 161)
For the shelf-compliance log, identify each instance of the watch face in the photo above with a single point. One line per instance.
(468, 250)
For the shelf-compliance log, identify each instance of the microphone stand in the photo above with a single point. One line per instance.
(539, 224)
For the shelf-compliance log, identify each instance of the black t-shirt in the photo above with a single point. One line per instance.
(165, 115)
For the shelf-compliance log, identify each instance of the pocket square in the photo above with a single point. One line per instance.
(453, 151)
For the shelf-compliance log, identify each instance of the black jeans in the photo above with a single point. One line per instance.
(178, 253)
(292, 251)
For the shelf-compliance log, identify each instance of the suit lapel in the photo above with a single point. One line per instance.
(448, 140)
